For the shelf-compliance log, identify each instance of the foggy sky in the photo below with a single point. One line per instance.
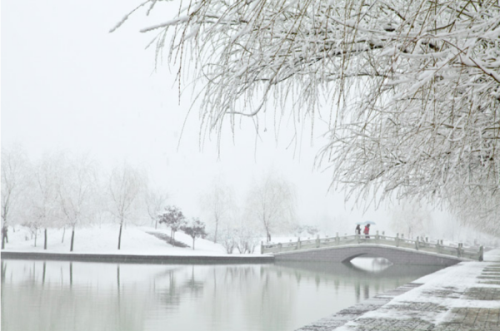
(68, 84)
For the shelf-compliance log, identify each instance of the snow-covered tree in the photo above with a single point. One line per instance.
(410, 89)
(45, 211)
(125, 184)
(155, 202)
(218, 203)
(411, 219)
(76, 190)
(195, 228)
(271, 203)
(14, 172)
(174, 219)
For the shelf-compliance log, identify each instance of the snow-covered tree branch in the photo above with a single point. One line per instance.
(413, 87)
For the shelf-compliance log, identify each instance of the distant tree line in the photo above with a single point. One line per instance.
(62, 190)
(66, 191)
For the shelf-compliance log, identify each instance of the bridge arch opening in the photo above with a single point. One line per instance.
(369, 264)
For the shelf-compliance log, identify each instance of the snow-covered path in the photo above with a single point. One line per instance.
(462, 297)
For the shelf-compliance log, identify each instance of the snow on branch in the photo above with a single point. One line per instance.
(416, 85)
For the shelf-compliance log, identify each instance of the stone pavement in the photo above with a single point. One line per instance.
(464, 297)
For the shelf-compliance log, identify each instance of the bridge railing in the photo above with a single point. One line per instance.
(398, 241)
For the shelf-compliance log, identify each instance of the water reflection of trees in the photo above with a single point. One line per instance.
(268, 297)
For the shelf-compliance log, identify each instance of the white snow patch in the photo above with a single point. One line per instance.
(103, 239)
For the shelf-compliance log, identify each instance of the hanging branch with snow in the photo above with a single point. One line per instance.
(415, 85)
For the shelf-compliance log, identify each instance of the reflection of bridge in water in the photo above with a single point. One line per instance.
(396, 249)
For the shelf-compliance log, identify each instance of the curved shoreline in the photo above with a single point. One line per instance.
(131, 258)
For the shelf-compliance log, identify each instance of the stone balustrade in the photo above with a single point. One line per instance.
(420, 244)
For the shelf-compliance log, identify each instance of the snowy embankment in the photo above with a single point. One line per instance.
(103, 239)
(443, 299)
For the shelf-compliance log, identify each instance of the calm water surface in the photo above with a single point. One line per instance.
(53, 296)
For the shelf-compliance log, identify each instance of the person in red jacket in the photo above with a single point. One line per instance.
(367, 230)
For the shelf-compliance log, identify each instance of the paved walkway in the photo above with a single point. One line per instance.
(463, 297)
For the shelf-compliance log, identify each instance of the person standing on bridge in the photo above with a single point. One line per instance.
(358, 229)
(367, 231)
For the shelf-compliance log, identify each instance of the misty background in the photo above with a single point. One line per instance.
(71, 86)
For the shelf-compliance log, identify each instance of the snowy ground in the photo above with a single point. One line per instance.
(445, 299)
(103, 239)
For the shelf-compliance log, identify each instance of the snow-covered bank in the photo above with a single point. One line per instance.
(103, 239)
(440, 300)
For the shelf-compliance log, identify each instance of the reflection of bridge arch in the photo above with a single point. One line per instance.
(396, 255)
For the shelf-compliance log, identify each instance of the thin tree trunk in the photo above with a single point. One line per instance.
(72, 239)
(43, 273)
(64, 232)
(193, 243)
(216, 228)
(45, 239)
(35, 238)
(120, 235)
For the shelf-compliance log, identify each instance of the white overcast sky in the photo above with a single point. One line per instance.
(68, 84)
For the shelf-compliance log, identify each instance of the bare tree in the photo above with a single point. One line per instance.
(14, 172)
(125, 184)
(411, 219)
(76, 190)
(272, 203)
(415, 86)
(155, 203)
(44, 206)
(218, 203)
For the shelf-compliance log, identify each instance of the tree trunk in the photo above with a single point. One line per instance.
(120, 235)
(72, 239)
(215, 235)
(35, 239)
(4, 235)
(45, 239)
(193, 243)
(64, 232)
(43, 273)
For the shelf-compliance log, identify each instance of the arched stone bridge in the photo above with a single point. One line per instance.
(395, 249)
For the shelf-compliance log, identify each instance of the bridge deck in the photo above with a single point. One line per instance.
(344, 248)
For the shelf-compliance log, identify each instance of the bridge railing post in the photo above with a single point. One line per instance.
(377, 237)
(337, 239)
(318, 243)
(481, 250)
(417, 244)
(397, 239)
(298, 243)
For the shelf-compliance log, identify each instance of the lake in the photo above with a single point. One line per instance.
(65, 296)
